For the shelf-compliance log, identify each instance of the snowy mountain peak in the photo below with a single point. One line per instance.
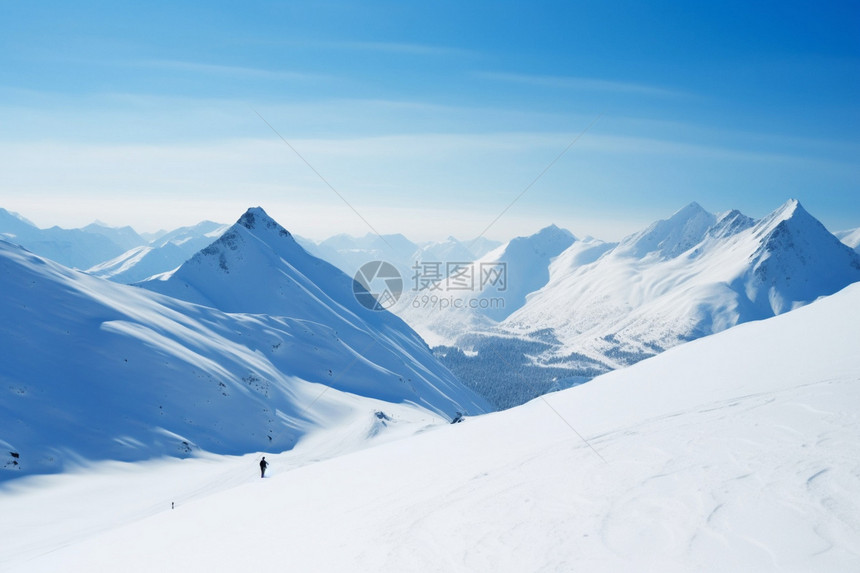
(790, 206)
(689, 211)
(670, 237)
(256, 266)
(730, 223)
(548, 242)
(797, 260)
(554, 230)
(257, 218)
(791, 209)
(791, 219)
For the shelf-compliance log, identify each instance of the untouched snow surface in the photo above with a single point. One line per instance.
(736, 452)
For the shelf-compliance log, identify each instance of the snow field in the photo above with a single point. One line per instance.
(737, 452)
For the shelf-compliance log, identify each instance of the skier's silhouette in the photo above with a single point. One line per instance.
(263, 465)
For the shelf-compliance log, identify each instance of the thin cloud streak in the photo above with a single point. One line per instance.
(404, 48)
(580, 84)
(236, 71)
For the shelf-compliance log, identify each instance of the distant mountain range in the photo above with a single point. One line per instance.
(606, 306)
(689, 276)
(76, 248)
(122, 255)
(350, 253)
(518, 319)
(162, 254)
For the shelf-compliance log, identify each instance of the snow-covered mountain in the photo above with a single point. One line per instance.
(163, 254)
(256, 267)
(77, 248)
(737, 452)
(97, 370)
(689, 276)
(116, 253)
(609, 305)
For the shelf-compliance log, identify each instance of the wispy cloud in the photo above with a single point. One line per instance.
(580, 83)
(236, 71)
(405, 48)
(440, 184)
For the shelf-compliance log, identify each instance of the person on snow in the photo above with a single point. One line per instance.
(263, 465)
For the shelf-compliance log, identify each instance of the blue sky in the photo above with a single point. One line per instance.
(430, 118)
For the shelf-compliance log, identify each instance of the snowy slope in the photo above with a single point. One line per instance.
(683, 278)
(737, 452)
(97, 370)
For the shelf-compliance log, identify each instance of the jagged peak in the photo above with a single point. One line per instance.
(730, 223)
(255, 218)
(791, 212)
(791, 206)
(791, 231)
